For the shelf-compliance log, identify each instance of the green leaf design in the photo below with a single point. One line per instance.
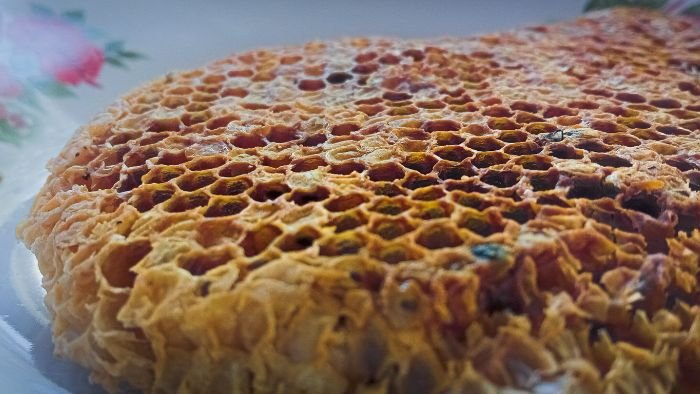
(114, 47)
(8, 133)
(603, 4)
(77, 16)
(40, 9)
(693, 10)
(115, 61)
(54, 89)
(131, 55)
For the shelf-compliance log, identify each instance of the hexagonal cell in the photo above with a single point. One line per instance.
(471, 200)
(428, 193)
(590, 187)
(488, 159)
(394, 253)
(582, 104)
(634, 123)
(414, 181)
(172, 158)
(234, 92)
(390, 206)
(308, 163)
(311, 85)
(630, 97)
(497, 111)
(606, 160)
(194, 118)
(389, 59)
(620, 111)
(441, 125)
(502, 124)
(506, 178)
(453, 171)
(544, 181)
(300, 240)
(534, 162)
(644, 202)
(484, 143)
(420, 162)
(443, 138)
(248, 141)
(555, 111)
(235, 169)
(388, 189)
(347, 168)
(206, 163)
(281, 134)
(553, 199)
(385, 172)
(593, 145)
(348, 221)
(152, 138)
(621, 139)
(231, 187)
(303, 197)
(482, 223)
(525, 117)
(336, 78)
(138, 156)
(161, 174)
(198, 263)
(432, 210)
(452, 153)
(521, 212)
(541, 128)
(225, 206)
(510, 136)
(682, 163)
(563, 151)
(276, 161)
(314, 140)
(344, 128)
(438, 236)
(132, 179)
(365, 68)
(430, 104)
(346, 202)
(269, 191)
(186, 202)
(391, 228)
(256, 241)
(116, 268)
(196, 180)
(342, 244)
(525, 106)
(522, 148)
(672, 130)
(164, 125)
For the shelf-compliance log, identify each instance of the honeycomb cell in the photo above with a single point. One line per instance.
(502, 124)
(303, 197)
(525, 106)
(225, 206)
(248, 141)
(311, 85)
(347, 168)
(391, 228)
(308, 163)
(314, 140)
(504, 178)
(348, 221)
(300, 240)
(443, 138)
(452, 153)
(269, 191)
(413, 182)
(420, 162)
(282, 134)
(489, 159)
(117, 268)
(484, 143)
(541, 128)
(235, 169)
(341, 244)
(336, 78)
(673, 130)
(441, 125)
(630, 97)
(666, 103)
(621, 139)
(195, 181)
(186, 202)
(453, 171)
(522, 148)
(482, 223)
(438, 236)
(556, 111)
(346, 202)
(385, 172)
(198, 263)
(534, 162)
(390, 206)
(544, 181)
(276, 161)
(593, 145)
(226, 187)
(257, 241)
(609, 160)
(607, 127)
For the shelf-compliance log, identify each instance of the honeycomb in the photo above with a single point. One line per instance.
(510, 211)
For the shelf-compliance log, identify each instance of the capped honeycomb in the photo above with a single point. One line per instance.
(511, 211)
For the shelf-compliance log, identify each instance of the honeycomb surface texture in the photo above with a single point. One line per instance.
(514, 211)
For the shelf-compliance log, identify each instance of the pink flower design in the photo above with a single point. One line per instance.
(63, 50)
(9, 87)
